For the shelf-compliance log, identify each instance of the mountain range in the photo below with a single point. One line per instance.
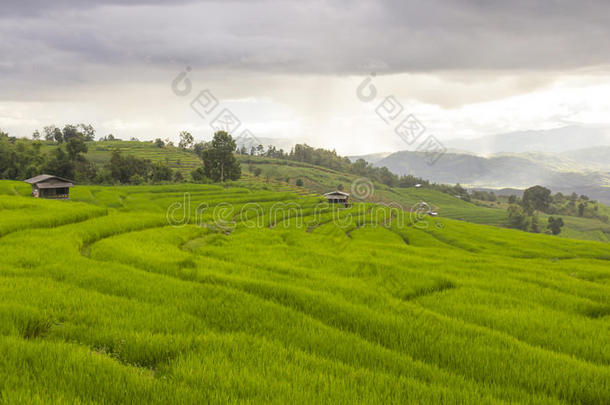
(557, 140)
(567, 159)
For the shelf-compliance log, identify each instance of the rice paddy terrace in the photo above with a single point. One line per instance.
(281, 175)
(145, 294)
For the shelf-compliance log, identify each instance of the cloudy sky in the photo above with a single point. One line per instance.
(295, 69)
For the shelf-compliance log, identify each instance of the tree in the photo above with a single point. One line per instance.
(186, 140)
(299, 183)
(60, 164)
(581, 209)
(386, 177)
(559, 198)
(84, 170)
(36, 135)
(517, 218)
(127, 169)
(360, 167)
(219, 163)
(536, 198)
(573, 198)
(76, 146)
(19, 158)
(52, 133)
(87, 131)
(70, 132)
(257, 171)
(57, 135)
(161, 172)
(199, 147)
(534, 221)
(555, 225)
(159, 143)
(198, 175)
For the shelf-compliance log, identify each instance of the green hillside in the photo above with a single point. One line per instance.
(260, 296)
(320, 180)
(281, 175)
(99, 152)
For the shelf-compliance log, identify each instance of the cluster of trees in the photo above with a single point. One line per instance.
(127, 169)
(22, 158)
(187, 141)
(482, 195)
(65, 157)
(52, 133)
(523, 213)
(218, 156)
(575, 205)
(63, 154)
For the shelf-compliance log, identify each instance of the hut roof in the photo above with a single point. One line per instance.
(336, 193)
(58, 184)
(47, 178)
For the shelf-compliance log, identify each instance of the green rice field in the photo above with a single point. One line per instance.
(262, 293)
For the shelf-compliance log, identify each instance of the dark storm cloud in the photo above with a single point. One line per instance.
(70, 40)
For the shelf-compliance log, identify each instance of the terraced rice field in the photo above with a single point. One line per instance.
(100, 152)
(241, 295)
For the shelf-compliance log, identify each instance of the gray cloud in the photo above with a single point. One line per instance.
(44, 43)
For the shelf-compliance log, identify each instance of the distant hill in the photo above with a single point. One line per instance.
(279, 143)
(549, 141)
(596, 157)
(372, 158)
(502, 171)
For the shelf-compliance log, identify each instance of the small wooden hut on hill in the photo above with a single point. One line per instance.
(48, 186)
(337, 197)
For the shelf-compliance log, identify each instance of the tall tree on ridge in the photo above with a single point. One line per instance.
(219, 162)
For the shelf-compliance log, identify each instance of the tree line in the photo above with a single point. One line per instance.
(360, 167)
(523, 212)
(61, 152)
(23, 158)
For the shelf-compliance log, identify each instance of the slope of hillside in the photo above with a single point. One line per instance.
(99, 152)
(281, 175)
(231, 302)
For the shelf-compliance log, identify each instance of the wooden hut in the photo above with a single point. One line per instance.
(337, 197)
(48, 186)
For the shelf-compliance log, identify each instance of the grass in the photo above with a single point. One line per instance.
(318, 180)
(281, 175)
(101, 301)
(99, 153)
